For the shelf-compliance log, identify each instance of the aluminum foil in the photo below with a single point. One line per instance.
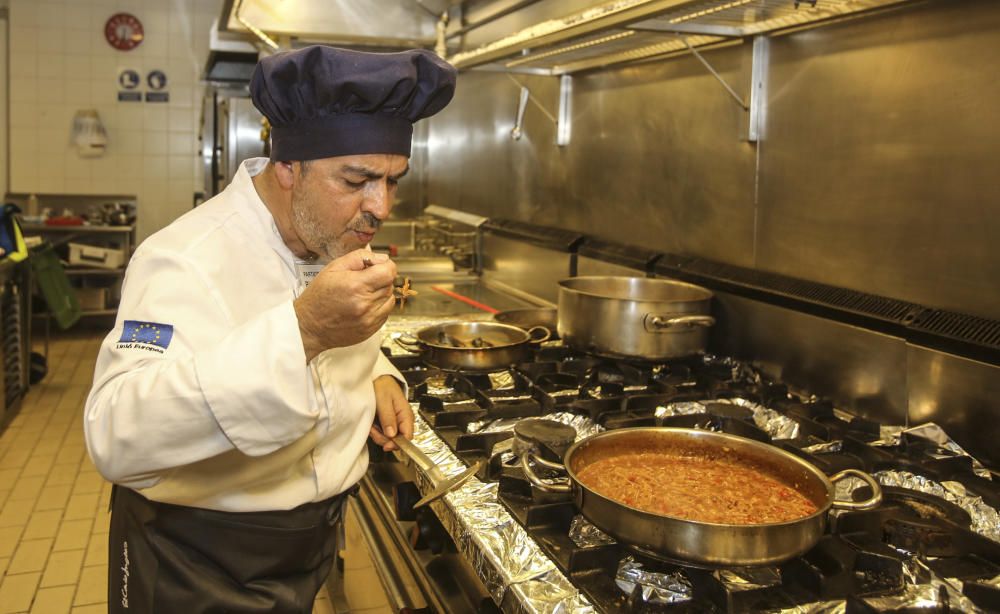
(585, 427)
(655, 587)
(993, 581)
(507, 560)
(824, 607)
(830, 447)
(586, 535)
(749, 578)
(889, 436)
(934, 433)
(985, 519)
(778, 426)
(502, 380)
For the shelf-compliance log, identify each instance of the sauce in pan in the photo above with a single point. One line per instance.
(695, 488)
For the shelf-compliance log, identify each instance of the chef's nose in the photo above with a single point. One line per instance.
(378, 200)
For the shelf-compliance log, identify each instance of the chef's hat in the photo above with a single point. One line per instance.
(324, 101)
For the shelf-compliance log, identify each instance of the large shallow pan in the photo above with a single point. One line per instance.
(473, 346)
(634, 317)
(702, 542)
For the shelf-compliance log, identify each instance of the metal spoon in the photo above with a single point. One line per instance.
(442, 485)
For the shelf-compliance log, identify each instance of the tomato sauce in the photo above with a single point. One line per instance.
(696, 488)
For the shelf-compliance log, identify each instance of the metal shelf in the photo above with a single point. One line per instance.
(630, 30)
(109, 272)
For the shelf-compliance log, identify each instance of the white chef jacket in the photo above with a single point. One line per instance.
(202, 395)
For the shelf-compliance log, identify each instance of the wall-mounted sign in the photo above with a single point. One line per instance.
(156, 80)
(123, 31)
(128, 79)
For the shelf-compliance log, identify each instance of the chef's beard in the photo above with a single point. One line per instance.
(309, 227)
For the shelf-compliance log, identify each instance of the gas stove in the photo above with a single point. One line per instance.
(920, 546)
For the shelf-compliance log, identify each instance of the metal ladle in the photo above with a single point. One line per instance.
(442, 484)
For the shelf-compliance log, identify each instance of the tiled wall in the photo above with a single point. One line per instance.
(60, 63)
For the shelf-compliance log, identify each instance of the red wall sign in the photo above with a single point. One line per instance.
(123, 31)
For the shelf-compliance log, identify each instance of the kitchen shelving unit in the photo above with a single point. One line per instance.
(117, 237)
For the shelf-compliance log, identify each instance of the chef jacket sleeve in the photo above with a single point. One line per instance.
(212, 385)
(383, 366)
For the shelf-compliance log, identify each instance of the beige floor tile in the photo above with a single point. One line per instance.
(27, 488)
(102, 521)
(14, 458)
(16, 513)
(39, 465)
(363, 589)
(4, 562)
(9, 536)
(63, 568)
(43, 524)
(88, 482)
(30, 555)
(17, 591)
(97, 551)
(93, 586)
(97, 608)
(63, 474)
(53, 497)
(8, 477)
(73, 535)
(69, 454)
(55, 600)
(3, 497)
(82, 506)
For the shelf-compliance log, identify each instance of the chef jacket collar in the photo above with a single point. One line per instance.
(261, 215)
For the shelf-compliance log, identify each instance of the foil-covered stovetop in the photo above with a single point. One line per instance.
(534, 553)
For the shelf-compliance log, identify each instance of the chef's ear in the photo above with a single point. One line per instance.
(284, 172)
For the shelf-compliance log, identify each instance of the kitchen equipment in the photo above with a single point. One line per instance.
(529, 318)
(473, 346)
(118, 214)
(441, 485)
(700, 542)
(634, 317)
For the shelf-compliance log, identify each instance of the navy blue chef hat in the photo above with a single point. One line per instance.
(324, 101)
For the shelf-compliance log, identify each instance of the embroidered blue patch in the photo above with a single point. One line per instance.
(149, 333)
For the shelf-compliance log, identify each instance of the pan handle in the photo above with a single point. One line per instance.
(537, 481)
(872, 483)
(667, 323)
(409, 343)
(543, 331)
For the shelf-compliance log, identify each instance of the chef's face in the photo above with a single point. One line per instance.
(339, 203)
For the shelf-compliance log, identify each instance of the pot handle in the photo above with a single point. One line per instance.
(872, 483)
(409, 343)
(543, 331)
(658, 324)
(537, 481)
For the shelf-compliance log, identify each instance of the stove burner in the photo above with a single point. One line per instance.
(547, 438)
(927, 507)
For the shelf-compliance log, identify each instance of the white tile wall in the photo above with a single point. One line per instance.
(60, 63)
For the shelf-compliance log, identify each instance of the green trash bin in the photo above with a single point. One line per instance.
(54, 286)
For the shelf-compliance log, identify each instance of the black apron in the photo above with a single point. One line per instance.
(173, 559)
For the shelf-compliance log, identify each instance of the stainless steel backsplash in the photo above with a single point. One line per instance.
(877, 170)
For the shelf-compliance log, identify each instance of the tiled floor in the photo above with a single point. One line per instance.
(53, 503)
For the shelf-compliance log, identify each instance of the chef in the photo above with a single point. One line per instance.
(232, 401)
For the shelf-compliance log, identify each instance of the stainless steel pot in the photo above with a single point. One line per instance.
(701, 542)
(474, 346)
(634, 317)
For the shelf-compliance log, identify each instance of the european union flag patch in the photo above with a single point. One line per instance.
(147, 333)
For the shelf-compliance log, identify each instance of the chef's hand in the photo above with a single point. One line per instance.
(346, 303)
(392, 413)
